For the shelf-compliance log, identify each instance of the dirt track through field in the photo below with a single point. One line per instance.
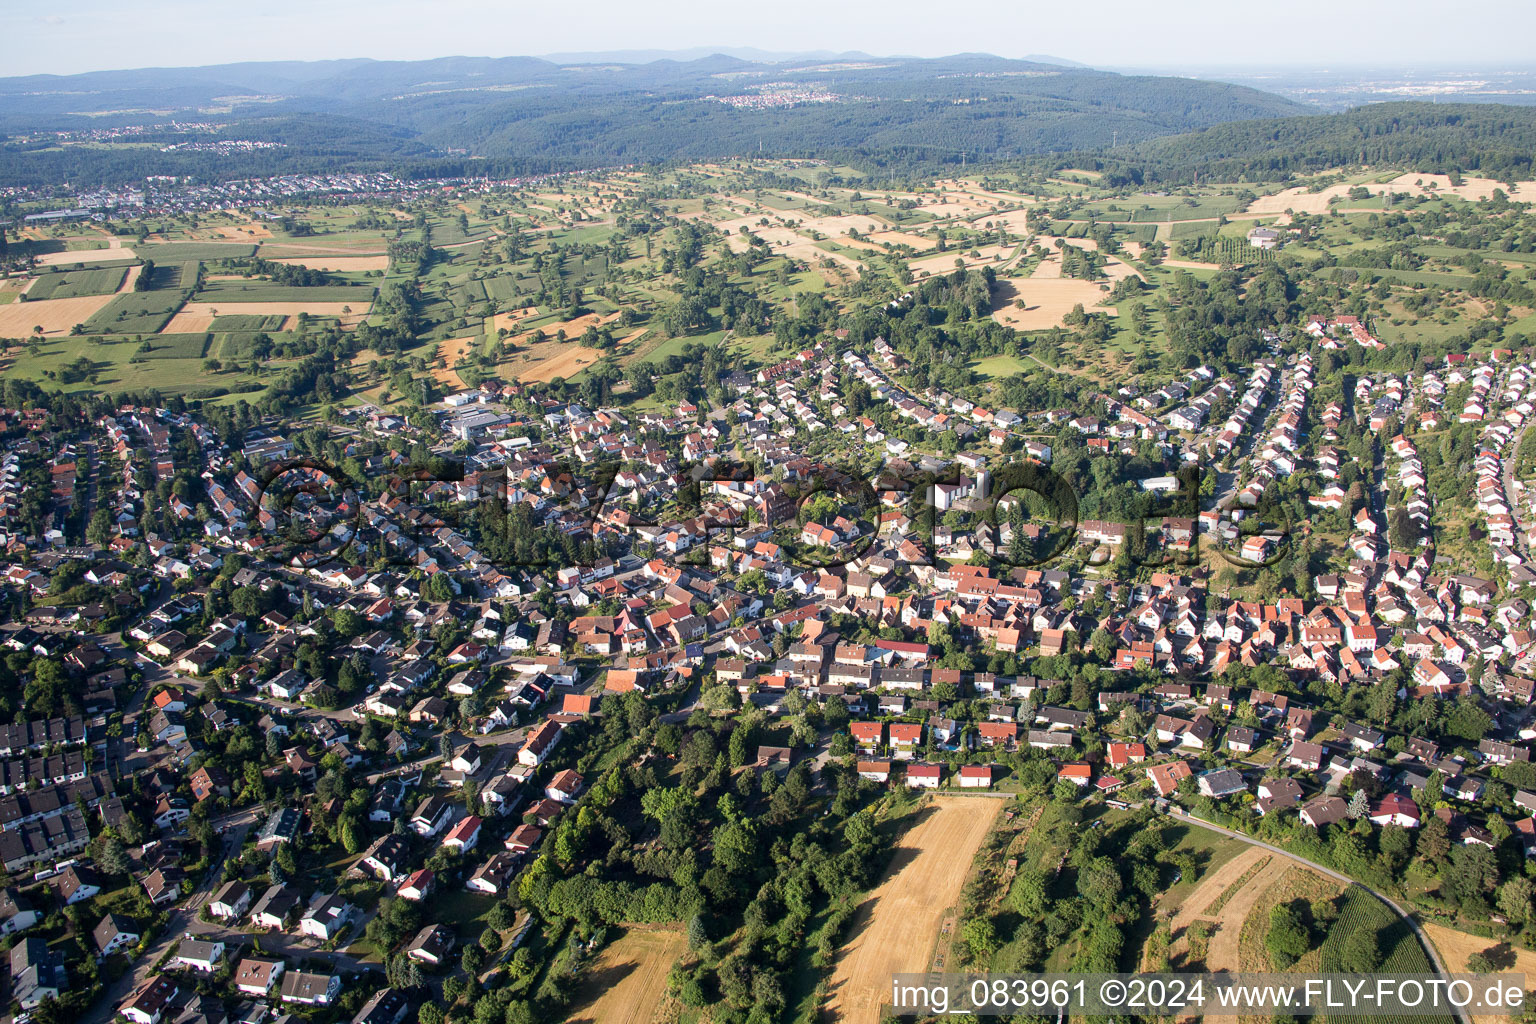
(894, 929)
(629, 978)
(1208, 892)
(1222, 954)
(1213, 885)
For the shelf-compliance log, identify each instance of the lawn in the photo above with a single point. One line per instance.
(994, 367)
(463, 910)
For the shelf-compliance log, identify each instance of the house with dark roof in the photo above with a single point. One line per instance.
(115, 932)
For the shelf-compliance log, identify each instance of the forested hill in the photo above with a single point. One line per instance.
(526, 115)
(1487, 139)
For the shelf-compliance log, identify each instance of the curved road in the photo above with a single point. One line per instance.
(1429, 947)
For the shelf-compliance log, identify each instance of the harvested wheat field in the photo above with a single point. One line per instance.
(1300, 200)
(1214, 884)
(550, 359)
(54, 259)
(944, 262)
(918, 242)
(1470, 188)
(450, 352)
(235, 232)
(198, 316)
(511, 319)
(1223, 900)
(1225, 941)
(572, 328)
(1046, 301)
(1456, 947)
(1016, 221)
(54, 316)
(546, 360)
(337, 264)
(895, 928)
(629, 980)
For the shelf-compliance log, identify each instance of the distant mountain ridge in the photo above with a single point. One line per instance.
(532, 115)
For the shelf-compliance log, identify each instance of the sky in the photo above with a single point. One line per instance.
(71, 36)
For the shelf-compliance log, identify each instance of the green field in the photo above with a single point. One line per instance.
(265, 291)
(247, 322)
(115, 370)
(176, 346)
(77, 283)
(135, 313)
(171, 275)
(238, 344)
(1191, 229)
(1401, 951)
(181, 252)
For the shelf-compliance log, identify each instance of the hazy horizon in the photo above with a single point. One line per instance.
(1190, 37)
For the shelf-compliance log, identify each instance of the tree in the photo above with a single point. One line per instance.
(472, 959)
(1362, 952)
(1103, 644)
(1434, 840)
(1027, 895)
(1515, 898)
(349, 623)
(1359, 805)
(980, 936)
(698, 932)
(1100, 883)
(437, 588)
(112, 857)
(1287, 940)
(246, 602)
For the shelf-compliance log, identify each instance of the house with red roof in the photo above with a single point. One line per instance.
(924, 776)
(1393, 809)
(564, 787)
(464, 835)
(1166, 777)
(867, 736)
(418, 886)
(997, 734)
(905, 738)
(1121, 754)
(1079, 773)
(975, 776)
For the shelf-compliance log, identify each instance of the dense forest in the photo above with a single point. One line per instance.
(1489, 139)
